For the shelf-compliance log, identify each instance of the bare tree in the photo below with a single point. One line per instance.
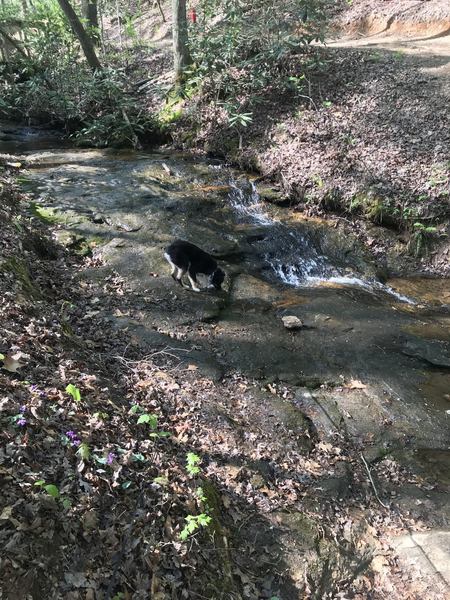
(181, 54)
(83, 38)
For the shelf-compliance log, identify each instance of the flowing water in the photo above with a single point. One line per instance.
(293, 255)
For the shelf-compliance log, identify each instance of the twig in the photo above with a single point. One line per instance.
(371, 481)
(145, 359)
(134, 137)
(311, 101)
(160, 10)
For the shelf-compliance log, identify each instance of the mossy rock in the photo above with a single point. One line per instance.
(272, 195)
(74, 242)
(45, 214)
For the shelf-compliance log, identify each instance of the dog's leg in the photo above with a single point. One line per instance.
(193, 281)
(179, 278)
(175, 270)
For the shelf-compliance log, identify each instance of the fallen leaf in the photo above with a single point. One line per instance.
(6, 513)
(12, 362)
(226, 501)
(354, 384)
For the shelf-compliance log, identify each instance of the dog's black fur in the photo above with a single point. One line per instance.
(185, 257)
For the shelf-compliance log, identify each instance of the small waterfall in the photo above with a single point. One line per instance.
(294, 257)
(244, 198)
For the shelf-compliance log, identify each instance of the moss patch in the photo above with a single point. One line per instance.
(48, 215)
(20, 270)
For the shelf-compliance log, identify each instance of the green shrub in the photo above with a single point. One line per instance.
(241, 49)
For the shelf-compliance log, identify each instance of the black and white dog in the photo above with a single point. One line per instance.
(185, 257)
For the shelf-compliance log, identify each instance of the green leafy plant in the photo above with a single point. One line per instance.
(199, 492)
(420, 237)
(238, 120)
(193, 523)
(296, 83)
(192, 463)
(243, 49)
(150, 420)
(84, 451)
(53, 491)
(73, 391)
(44, 79)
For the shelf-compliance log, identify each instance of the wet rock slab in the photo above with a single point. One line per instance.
(428, 553)
(436, 353)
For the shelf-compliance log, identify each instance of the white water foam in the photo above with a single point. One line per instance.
(370, 285)
(250, 204)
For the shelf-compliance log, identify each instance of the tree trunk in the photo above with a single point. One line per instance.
(13, 42)
(181, 55)
(84, 39)
(90, 14)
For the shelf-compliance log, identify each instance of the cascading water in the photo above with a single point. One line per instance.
(293, 256)
(246, 201)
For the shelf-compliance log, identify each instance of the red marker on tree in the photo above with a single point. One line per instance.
(193, 15)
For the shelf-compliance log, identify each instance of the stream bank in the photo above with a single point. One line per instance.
(367, 373)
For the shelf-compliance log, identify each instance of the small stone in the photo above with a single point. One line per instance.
(98, 218)
(292, 322)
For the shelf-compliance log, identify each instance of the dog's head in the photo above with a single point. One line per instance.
(217, 278)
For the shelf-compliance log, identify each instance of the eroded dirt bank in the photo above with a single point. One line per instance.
(281, 419)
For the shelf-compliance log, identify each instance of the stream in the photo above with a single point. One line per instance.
(392, 339)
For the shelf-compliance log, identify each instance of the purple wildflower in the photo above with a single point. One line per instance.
(35, 390)
(73, 437)
(23, 408)
(22, 421)
(111, 458)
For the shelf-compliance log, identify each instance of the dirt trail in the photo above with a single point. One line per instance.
(429, 50)
(432, 45)
(415, 30)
